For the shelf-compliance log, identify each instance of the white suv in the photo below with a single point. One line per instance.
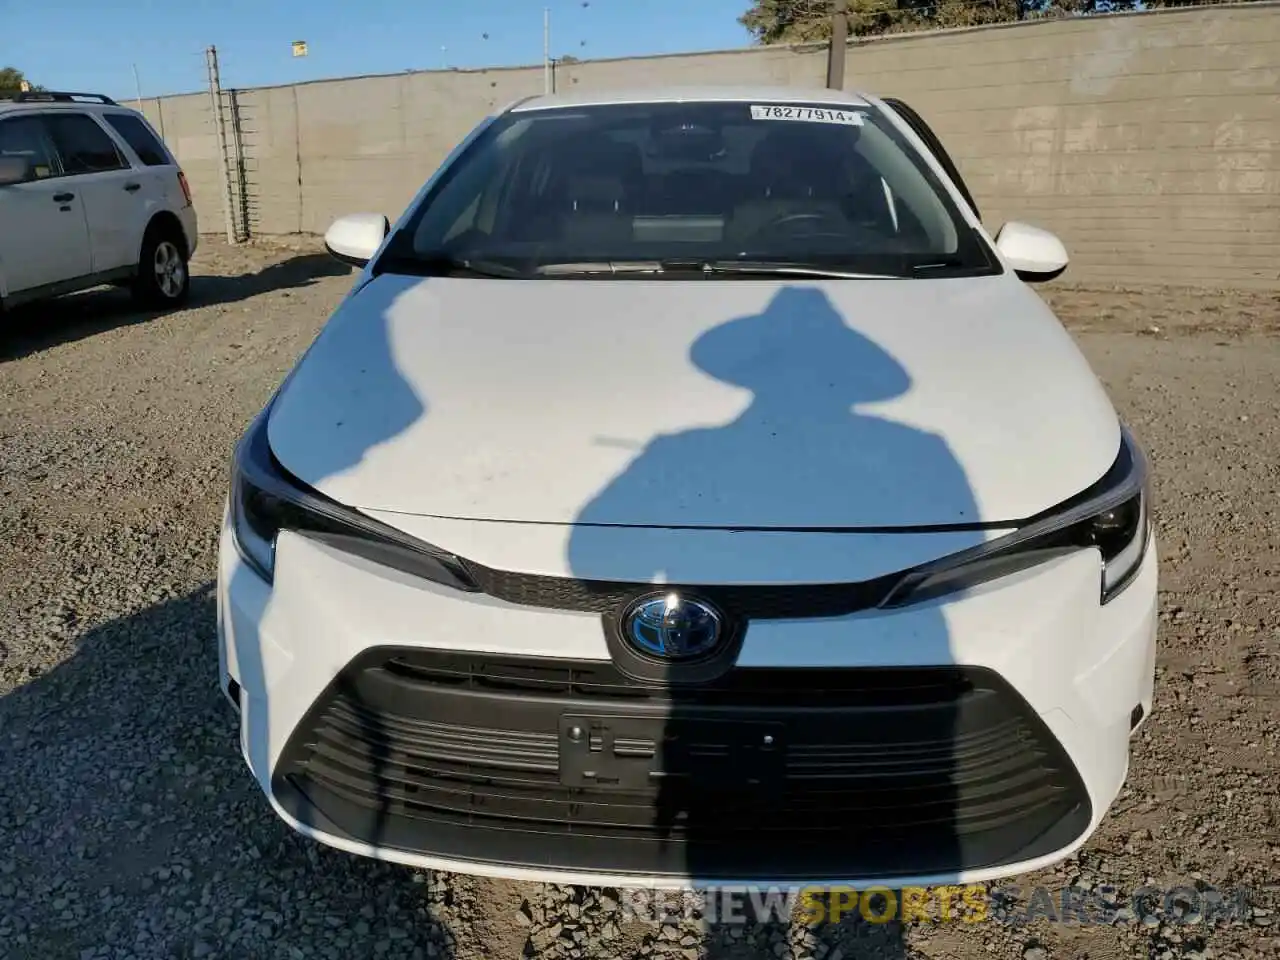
(89, 195)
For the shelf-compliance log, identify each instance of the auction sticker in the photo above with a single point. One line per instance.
(851, 118)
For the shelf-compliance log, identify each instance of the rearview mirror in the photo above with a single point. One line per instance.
(354, 239)
(1035, 255)
(16, 170)
(687, 142)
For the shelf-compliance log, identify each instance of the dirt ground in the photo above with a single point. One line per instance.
(130, 828)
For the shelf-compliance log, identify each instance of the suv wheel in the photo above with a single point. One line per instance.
(163, 277)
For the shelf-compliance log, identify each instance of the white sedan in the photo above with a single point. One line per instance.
(690, 490)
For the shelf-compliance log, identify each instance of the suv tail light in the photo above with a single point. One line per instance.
(186, 188)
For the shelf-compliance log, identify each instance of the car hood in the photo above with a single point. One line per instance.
(831, 405)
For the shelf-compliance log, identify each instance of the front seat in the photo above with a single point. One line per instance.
(791, 173)
(598, 188)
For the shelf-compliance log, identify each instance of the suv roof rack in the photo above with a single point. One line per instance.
(54, 96)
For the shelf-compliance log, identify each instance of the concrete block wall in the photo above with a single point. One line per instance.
(1150, 142)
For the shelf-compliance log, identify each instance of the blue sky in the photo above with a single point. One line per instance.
(92, 45)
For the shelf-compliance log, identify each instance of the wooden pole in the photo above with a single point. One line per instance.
(839, 40)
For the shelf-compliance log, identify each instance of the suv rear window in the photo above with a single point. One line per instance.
(140, 139)
(83, 145)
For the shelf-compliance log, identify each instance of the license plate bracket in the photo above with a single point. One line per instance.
(639, 753)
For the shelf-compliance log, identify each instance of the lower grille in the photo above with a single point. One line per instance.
(775, 774)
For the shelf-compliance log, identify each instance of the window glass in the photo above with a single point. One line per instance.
(26, 137)
(83, 145)
(139, 138)
(786, 183)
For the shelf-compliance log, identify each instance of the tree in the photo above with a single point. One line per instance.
(803, 21)
(11, 79)
(788, 21)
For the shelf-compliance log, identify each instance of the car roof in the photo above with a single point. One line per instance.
(722, 94)
(7, 107)
(55, 100)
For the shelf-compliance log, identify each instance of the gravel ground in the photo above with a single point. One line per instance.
(129, 828)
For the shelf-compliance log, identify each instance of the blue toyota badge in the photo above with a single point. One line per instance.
(671, 627)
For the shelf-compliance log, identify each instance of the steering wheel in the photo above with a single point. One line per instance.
(791, 224)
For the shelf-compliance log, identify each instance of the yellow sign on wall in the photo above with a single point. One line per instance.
(299, 48)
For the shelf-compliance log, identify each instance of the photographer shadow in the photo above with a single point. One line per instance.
(881, 801)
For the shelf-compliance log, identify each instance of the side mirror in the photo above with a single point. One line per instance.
(354, 239)
(1035, 255)
(16, 170)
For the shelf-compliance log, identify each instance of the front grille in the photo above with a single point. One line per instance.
(750, 602)
(765, 773)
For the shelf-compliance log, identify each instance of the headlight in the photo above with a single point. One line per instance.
(1112, 516)
(265, 500)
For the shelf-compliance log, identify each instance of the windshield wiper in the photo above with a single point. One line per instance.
(789, 268)
(704, 267)
(942, 263)
(598, 267)
(444, 266)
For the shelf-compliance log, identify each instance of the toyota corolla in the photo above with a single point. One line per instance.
(690, 489)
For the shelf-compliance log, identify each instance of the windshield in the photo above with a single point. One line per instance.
(632, 190)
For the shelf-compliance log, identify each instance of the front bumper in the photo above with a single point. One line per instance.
(949, 742)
